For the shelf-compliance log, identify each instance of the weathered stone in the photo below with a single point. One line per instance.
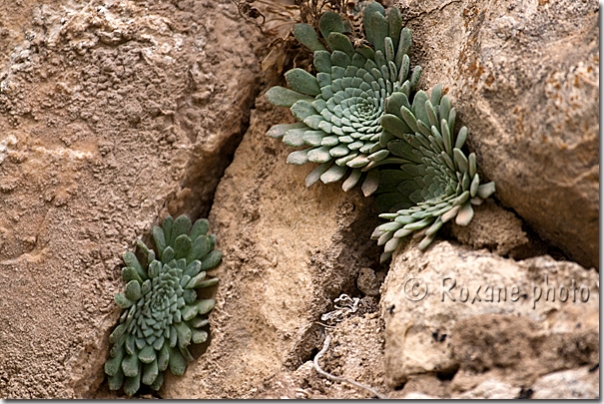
(100, 121)
(499, 230)
(491, 389)
(114, 114)
(451, 309)
(288, 252)
(524, 80)
(369, 281)
(575, 383)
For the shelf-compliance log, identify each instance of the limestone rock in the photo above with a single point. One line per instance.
(524, 79)
(288, 252)
(100, 121)
(582, 383)
(497, 229)
(369, 281)
(456, 311)
(492, 389)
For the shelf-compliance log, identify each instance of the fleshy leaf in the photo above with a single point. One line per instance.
(284, 97)
(302, 81)
(159, 313)
(330, 22)
(308, 37)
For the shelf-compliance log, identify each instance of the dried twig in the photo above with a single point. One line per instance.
(341, 379)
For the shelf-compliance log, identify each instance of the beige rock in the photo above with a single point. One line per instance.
(99, 124)
(575, 383)
(114, 114)
(499, 230)
(355, 353)
(369, 282)
(452, 308)
(288, 252)
(524, 79)
(491, 389)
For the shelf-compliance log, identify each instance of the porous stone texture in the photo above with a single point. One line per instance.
(115, 113)
(498, 230)
(581, 383)
(524, 78)
(106, 108)
(288, 252)
(354, 353)
(492, 326)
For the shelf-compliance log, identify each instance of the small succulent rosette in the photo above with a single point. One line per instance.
(340, 109)
(436, 181)
(162, 313)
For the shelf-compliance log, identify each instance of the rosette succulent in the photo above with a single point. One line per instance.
(162, 314)
(436, 181)
(341, 107)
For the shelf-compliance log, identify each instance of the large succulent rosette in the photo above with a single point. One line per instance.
(340, 109)
(162, 313)
(436, 181)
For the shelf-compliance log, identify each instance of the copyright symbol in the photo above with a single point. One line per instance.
(415, 289)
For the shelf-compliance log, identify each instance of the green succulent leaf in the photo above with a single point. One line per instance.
(178, 364)
(204, 306)
(202, 226)
(147, 354)
(302, 82)
(211, 260)
(159, 381)
(123, 301)
(340, 42)
(150, 372)
(182, 246)
(330, 22)
(164, 357)
(132, 384)
(133, 290)
(371, 9)
(159, 313)
(114, 364)
(129, 273)
(284, 97)
(116, 380)
(199, 336)
(351, 89)
(130, 366)
(307, 36)
(436, 183)
(198, 322)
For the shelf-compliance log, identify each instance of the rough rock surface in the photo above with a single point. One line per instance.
(576, 383)
(524, 79)
(106, 109)
(355, 353)
(115, 113)
(498, 230)
(473, 318)
(288, 251)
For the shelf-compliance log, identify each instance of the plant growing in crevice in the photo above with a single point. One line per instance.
(436, 181)
(340, 108)
(360, 112)
(162, 313)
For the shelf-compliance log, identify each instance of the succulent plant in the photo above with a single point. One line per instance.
(162, 315)
(436, 181)
(340, 108)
